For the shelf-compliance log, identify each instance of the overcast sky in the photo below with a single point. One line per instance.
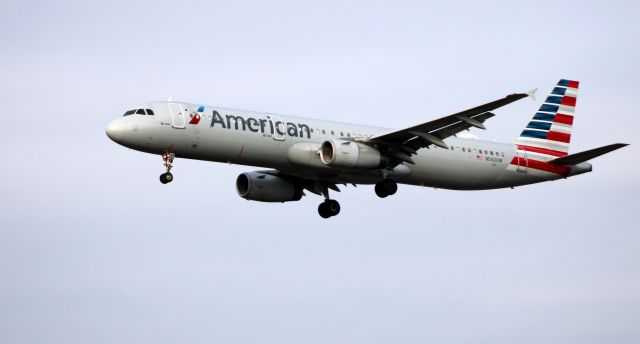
(93, 249)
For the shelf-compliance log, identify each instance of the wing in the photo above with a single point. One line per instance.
(403, 143)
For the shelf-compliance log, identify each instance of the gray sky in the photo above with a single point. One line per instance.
(94, 249)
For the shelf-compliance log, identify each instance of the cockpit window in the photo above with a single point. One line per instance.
(139, 112)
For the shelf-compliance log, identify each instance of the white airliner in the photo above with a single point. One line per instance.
(318, 155)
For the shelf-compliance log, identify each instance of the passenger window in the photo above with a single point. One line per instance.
(140, 112)
(348, 134)
(323, 132)
(341, 134)
(332, 132)
(130, 112)
(150, 112)
(463, 149)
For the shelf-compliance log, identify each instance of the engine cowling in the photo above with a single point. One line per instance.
(349, 154)
(262, 187)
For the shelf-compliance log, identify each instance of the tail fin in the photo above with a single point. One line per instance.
(549, 132)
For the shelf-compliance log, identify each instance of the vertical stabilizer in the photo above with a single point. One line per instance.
(548, 134)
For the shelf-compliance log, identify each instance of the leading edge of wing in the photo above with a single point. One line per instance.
(401, 135)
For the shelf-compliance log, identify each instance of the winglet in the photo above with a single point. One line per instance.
(532, 94)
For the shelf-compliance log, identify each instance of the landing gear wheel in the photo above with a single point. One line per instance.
(380, 191)
(333, 206)
(166, 178)
(323, 210)
(386, 188)
(329, 208)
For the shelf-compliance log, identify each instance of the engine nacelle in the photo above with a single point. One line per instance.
(262, 187)
(349, 154)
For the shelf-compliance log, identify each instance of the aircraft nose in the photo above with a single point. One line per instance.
(115, 131)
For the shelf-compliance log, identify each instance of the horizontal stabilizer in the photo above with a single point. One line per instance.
(577, 158)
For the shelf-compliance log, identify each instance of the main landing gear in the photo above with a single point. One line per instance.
(386, 188)
(167, 177)
(330, 207)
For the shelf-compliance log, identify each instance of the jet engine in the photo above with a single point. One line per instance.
(262, 187)
(349, 154)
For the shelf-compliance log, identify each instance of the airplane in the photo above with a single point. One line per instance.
(314, 155)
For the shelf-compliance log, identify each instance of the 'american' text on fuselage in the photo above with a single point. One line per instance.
(257, 125)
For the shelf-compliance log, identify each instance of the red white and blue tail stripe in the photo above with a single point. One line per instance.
(549, 131)
(548, 134)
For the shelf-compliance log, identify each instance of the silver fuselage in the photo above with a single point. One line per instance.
(274, 141)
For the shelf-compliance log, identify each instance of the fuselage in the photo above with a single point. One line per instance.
(289, 144)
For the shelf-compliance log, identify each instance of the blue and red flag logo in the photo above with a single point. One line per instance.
(196, 116)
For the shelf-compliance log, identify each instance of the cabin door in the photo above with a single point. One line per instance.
(178, 115)
(523, 161)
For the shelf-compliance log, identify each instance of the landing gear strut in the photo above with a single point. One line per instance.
(167, 177)
(386, 188)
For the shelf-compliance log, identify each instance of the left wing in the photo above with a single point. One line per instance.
(403, 143)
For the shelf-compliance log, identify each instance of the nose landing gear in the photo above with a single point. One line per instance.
(167, 177)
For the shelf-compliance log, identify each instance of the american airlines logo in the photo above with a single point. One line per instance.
(261, 125)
